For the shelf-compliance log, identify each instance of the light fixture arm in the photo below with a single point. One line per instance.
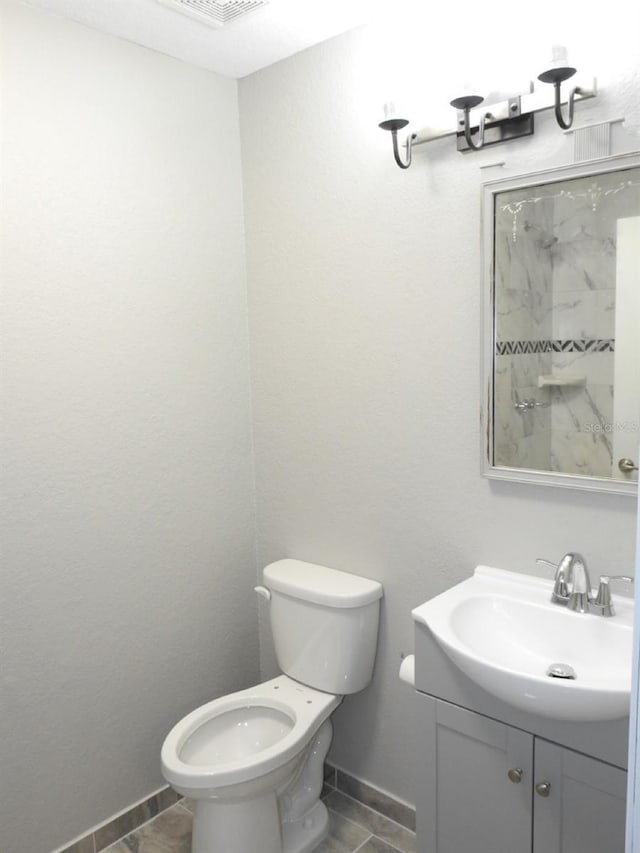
(396, 149)
(476, 146)
(394, 124)
(564, 124)
(559, 71)
(465, 103)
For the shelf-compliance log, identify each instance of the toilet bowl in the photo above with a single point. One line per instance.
(235, 743)
(252, 761)
(246, 749)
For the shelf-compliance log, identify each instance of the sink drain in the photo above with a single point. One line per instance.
(561, 670)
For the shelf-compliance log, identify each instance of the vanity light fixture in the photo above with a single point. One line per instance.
(558, 71)
(394, 124)
(465, 103)
(512, 118)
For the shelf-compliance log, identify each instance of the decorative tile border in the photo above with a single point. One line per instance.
(575, 345)
(116, 828)
(335, 780)
(169, 832)
(372, 797)
(386, 834)
(353, 828)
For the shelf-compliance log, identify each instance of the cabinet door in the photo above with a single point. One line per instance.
(466, 800)
(584, 807)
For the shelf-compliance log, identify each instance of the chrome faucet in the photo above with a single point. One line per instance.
(572, 586)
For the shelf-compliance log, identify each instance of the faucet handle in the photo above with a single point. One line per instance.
(560, 588)
(603, 598)
(546, 562)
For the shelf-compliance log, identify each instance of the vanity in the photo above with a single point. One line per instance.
(523, 683)
(522, 714)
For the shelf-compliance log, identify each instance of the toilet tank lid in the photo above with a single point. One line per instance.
(320, 584)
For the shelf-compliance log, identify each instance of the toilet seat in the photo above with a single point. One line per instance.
(244, 735)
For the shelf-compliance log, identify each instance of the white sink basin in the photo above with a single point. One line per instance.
(503, 632)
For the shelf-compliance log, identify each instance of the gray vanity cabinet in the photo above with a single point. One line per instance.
(466, 801)
(488, 787)
(584, 811)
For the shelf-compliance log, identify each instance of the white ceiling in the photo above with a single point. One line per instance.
(278, 30)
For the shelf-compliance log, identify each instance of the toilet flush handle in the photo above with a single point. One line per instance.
(263, 591)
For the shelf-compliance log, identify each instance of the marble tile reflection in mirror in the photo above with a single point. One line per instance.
(564, 398)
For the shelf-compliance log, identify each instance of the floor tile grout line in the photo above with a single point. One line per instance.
(409, 808)
(351, 821)
(384, 840)
(360, 846)
(367, 829)
(133, 831)
(365, 806)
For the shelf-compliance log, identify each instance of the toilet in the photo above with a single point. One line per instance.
(252, 761)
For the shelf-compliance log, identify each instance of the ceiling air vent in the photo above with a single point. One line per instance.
(216, 13)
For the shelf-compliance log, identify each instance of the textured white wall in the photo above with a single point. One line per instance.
(364, 304)
(128, 552)
(128, 556)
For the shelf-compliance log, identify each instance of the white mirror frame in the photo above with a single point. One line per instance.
(490, 189)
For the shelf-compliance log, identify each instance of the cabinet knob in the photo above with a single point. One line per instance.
(543, 789)
(515, 775)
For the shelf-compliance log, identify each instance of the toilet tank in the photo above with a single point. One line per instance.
(324, 624)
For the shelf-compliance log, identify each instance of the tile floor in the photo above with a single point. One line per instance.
(353, 827)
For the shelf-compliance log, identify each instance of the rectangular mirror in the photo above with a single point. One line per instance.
(561, 329)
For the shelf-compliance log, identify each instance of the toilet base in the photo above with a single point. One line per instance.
(236, 827)
(304, 835)
(230, 829)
